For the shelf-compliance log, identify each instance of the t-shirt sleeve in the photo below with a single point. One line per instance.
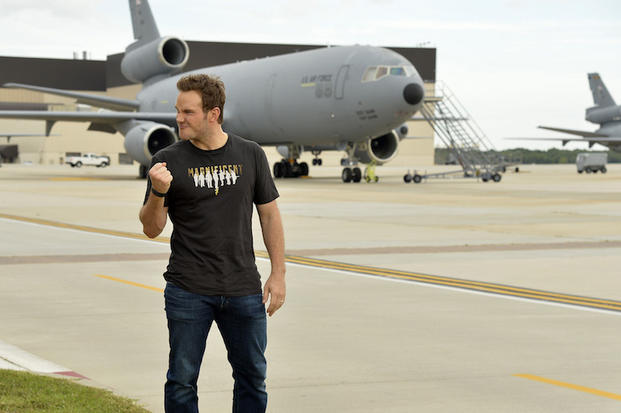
(154, 160)
(264, 188)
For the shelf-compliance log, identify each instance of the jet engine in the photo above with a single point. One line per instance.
(146, 138)
(163, 56)
(380, 150)
(598, 114)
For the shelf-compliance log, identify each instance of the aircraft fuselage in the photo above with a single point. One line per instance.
(309, 98)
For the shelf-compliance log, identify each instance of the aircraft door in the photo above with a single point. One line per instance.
(269, 105)
(339, 86)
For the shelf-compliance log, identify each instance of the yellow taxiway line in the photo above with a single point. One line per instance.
(146, 287)
(570, 386)
(478, 286)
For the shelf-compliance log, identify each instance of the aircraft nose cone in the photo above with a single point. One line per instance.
(413, 93)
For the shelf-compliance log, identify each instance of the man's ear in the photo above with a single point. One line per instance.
(214, 114)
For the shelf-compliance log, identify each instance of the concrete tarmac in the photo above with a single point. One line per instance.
(450, 295)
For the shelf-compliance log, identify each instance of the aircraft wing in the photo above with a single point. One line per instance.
(101, 121)
(86, 98)
(609, 141)
(565, 140)
(19, 135)
(585, 134)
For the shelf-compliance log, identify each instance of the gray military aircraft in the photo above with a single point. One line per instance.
(354, 99)
(606, 113)
(8, 136)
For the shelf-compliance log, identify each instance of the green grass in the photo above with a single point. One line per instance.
(22, 392)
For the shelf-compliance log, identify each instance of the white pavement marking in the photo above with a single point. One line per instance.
(380, 278)
(14, 358)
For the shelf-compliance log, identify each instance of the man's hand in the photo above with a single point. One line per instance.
(276, 289)
(160, 177)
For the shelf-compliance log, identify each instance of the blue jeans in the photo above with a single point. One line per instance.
(243, 325)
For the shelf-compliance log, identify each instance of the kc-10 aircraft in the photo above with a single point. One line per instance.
(606, 113)
(352, 98)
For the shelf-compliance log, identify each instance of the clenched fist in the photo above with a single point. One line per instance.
(160, 177)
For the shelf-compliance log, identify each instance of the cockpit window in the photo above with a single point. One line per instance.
(369, 75)
(377, 72)
(381, 72)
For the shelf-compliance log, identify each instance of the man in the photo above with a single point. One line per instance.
(211, 275)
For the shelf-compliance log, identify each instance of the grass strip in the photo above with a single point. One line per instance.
(23, 392)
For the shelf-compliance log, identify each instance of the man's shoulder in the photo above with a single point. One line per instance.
(243, 142)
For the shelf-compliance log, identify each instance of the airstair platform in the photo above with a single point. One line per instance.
(459, 132)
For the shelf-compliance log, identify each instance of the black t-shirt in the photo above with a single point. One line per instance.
(210, 203)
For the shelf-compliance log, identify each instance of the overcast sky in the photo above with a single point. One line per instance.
(514, 64)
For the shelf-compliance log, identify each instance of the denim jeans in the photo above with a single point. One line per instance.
(243, 325)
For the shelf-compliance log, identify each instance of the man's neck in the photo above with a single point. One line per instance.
(211, 141)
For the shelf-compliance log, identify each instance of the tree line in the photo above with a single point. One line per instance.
(526, 156)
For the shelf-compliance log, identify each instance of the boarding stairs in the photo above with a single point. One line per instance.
(454, 126)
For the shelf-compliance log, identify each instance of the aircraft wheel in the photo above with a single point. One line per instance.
(278, 170)
(303, 169)
(496, 177)
(314, 162)
(346, 175)
(287, 169)
(356, 174)
(407, 178)
(580, 171)
(417, 178)
(319, 162)
(603, 170)
(78, 164)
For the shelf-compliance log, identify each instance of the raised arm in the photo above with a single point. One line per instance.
(153, 213)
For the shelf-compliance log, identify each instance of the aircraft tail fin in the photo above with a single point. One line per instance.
(601, 96)
(143, 23)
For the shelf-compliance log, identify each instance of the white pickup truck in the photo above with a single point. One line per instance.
(88, 159)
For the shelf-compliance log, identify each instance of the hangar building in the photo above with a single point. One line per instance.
(105, 78)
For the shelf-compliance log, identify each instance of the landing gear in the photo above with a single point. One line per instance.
(351, 175)
(316, 160)
(346, 175)
(290, 169)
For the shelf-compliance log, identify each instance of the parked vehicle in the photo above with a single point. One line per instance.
(90, 159)
(591, 162)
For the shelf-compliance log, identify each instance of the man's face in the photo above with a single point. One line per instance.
(193, 122)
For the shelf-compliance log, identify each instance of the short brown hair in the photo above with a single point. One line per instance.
(211, 89)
